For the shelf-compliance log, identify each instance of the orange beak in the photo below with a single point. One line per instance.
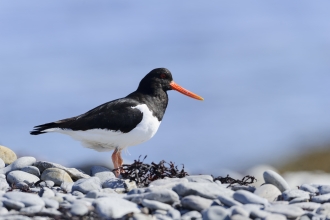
(178, 88)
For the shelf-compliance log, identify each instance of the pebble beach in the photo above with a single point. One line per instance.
(32, 189)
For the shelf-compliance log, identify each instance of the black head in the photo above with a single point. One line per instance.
(159, 78)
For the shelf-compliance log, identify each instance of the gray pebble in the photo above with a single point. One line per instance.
(255, 210)
(228, 201)
(50, 211)
(298, 200)
(79, 209)
(86, 185)
(51, 203)
(49, 183)
(65, 204)
(102, 173)
(321, 198)
(309, 188)
(112, 207)
(21, 185)
(31, 209)
(200, 178)
(4, 185)
(3, 211)
(78, 194)
(18, 164)
(239, 217)
(11, 204)
(195, 203)
(275, 217)
(46, 193)
(324, 189)
(246, 197)
(158, 194)
(288, 211)
(206, 190)
(27, 198)
(247, 188)
(174, 214)
(191, 215)
(240, 211)
(290, 194)
(268, 191)
(154, 205)
(324, 209)
(215, 212)
(114, 183)
(58, 176)
(32, 170)
(92, 194)
(308, 206)
(19, 176)
(168, 183)
(67, 187)
(277, 180)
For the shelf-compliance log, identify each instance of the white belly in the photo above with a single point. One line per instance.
(106, 140)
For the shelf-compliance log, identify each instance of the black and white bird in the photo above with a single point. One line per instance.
(123, 122)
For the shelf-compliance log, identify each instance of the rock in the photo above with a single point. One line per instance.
(298, 200)
(86, 185)
(18, 164)
(215, 212)
(50, 212)
(114, 183)
(102, 173)
(255, 211)
(275, 217)
(168, 183)
(324, 209)
(268, 191)
(288, 195)
(308, 206)
(3, 211)
(288, 211)
(31, 209)
(11, 204)
(239, 217)
(274, 178)
(309, 188)
(195, 203)
(58, 176)
(321, 198)
(247, 188)
(49, 183)
(206, 190)
(112, 207)
(158, 194)
(191, 215)
(46, 193)
(78, 208)
(2, 164)
(32, 170)
(4, 185)
(17, 176)
(153, 205)
(27, 198)
(200, 178)
(240, 211)
(246, 197)
(51, 203)
(137, 191)
(324, 189)
(67, 186)
(74, 173)
(7, 155)
(228, 201)
(78, 194)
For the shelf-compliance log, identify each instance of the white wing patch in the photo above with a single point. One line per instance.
(106, 140)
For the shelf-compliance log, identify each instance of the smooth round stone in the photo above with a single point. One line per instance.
(154, 205)
(246, 197)
(299, 200)
(162, 195)
(17, 176)
(240, 211)
(102, 173)
(21, 185)
(32, 170)
(277, 180)
(86, 185)
(255, 210)
(247, 188)
(137, 191)
(77, 194)
(27, 198)
(309, 188)
(239, 217)
(58, 176)
(228, 201)
(288, 211)
(275, 217)
(191, 215)
(288, 195)
(4, 185)
(195, 203)
(18, 164)
(308, 206)
(324, 189)
(321, 198)
(167, 183)
(268, 191)
(11, 204)
(215, 212)
(114, 183)
(174, 214)
(67, 186)
(46, 193)
(3, 211)
(79, 209)
(2, 164)
(7, 155)
(324, 209)
(49, 183)
(200, 178)
(31, 209)
(114, 207)
(50, 212)
(51, 203)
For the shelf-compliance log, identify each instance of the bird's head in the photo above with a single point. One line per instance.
(161, 78)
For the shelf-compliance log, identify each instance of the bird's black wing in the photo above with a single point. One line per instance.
(116, 115)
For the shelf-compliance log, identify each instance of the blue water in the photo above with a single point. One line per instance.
(263, 68)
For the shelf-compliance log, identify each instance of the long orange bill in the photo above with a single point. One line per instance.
(184, 91)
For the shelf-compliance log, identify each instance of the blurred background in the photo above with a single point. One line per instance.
(263, 68)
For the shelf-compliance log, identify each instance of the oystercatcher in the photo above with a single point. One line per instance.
(123, 122)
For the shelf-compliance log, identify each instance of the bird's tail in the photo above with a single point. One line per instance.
(41, 129)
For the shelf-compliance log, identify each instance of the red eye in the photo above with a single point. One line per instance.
(163, 76)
